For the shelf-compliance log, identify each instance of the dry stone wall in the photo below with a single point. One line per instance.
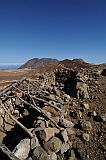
(52, 116)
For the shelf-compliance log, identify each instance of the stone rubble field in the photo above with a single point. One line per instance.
(59, 116)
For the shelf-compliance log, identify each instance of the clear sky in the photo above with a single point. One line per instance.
(52, 28)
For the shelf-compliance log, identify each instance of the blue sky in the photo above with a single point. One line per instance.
(52, 28)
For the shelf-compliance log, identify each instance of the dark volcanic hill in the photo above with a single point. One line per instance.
(46, 62)
(75, 63)
(36, 62)
(40, 66)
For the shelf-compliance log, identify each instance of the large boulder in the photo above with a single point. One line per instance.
(64, 147)
(47, 133)
(70, 131)
(53, 145)
(39, 154)
(53, 156)
(82, 90)
(21, 151)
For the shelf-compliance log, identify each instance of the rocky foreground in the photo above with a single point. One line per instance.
(59, 116)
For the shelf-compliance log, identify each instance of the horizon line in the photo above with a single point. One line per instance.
(11, 63)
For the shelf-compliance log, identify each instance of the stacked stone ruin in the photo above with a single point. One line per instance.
(44, 104)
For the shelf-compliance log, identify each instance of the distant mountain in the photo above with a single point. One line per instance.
(75, 63)
(43, 65)
(78, 60)
(9, 66)
(36, 62)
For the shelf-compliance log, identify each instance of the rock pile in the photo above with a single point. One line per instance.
(54, 116)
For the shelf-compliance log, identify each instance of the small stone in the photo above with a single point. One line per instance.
(103, 117)
(21, 151)
(47, 113)
(58, 130)
(25, 112)
(85, 105)
(34, 142)
(80, 114)
(53, 156)
(16, 112)
(66, 123)
(64, 147)
(18, 94)
(74, 103)
(17, 102)
(40, 118)
(85, 137)
(66, 98)
(86, 125)
(53, 145)
(57, 92)
(70, 131)
(1, 111)
(47, 133)
(46, 124)
(53, 112)
(56, 119)
(94, 113)
(87, 157)
(39, 154)
(70, 144)
(71, 154)
(64, 135)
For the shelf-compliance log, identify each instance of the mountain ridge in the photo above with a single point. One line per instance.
(38, 62)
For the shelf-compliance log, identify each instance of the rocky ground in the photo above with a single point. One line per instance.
(68, 121)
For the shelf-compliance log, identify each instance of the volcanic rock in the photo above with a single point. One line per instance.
(85, 137)
(64, 147)
(53, 156)
(47, 133)
(54, 145)
(70, 131)
(39, 154)
(34, 142)
(86, 125)
(66, 123)
(21, 151)
(64, 135)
